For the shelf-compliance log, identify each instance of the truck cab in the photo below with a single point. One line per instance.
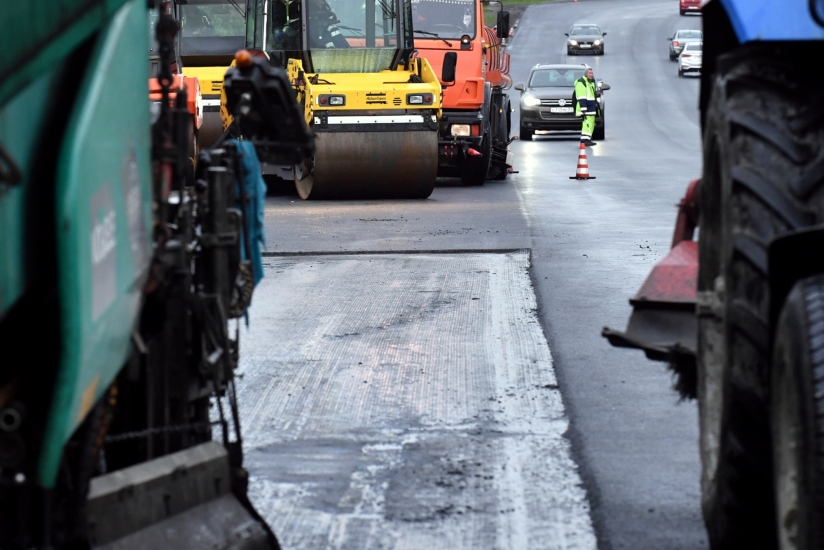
(471, 63)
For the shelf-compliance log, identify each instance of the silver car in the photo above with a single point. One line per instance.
(691, 58)
(680, 38)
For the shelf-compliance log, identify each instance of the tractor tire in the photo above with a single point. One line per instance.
(475, 169)
(525, 134)
(798, 417)
(762, 178)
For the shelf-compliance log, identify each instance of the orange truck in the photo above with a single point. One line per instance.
(473, 67)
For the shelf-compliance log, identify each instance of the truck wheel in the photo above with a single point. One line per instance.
(797, 424)
(525, 134)
(599, 133)
(475, 169)
(761, 179)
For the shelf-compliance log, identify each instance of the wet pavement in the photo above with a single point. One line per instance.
(345, 464)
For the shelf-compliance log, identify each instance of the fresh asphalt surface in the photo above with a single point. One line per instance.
(591, 243)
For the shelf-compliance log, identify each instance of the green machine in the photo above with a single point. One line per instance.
(124, 280)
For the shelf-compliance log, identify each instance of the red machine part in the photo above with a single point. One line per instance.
(194, 97)
(674, 279)
(663, 321)
(687, 219)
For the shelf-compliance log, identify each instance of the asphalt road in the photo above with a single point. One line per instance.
(591, 245)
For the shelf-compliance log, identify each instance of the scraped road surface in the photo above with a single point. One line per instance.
(399, 377)
(408, 401)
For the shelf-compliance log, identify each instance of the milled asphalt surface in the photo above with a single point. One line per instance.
(591, 246)
(407, 401)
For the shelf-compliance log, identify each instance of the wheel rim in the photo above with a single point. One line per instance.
(303, 178)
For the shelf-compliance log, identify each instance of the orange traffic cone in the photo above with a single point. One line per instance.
(582, 173)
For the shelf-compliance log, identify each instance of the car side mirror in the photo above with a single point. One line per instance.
(566, 34)
(520, 87)
(503, 24)
(603, 34)
(450, 61)
(605, 87)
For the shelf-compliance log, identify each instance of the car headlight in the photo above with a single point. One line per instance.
(573, 42)
(531, 101)
(460, 129)
(596, 43)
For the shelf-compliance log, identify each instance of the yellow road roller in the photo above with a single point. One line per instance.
(211, 31)
(374, 107)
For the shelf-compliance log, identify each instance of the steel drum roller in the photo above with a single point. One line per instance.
(370, 165)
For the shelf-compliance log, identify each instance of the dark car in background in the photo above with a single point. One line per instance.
(547, 101)
(585, 38)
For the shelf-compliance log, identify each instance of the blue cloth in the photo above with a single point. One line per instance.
(255, 187)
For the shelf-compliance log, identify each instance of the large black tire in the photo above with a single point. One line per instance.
(798, 418)
(525, 134)
(475, 169)
(761, 179)
(599, 134)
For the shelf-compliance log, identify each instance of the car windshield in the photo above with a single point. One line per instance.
(563, 78)
(446, 18)
(584, 31)
(689, 34)
(212, 27)
(693, 47)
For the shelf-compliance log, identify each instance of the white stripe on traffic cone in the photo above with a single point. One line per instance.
(582, 173)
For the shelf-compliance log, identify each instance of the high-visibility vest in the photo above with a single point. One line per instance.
(585, 97)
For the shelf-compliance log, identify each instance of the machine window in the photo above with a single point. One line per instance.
(446, 18)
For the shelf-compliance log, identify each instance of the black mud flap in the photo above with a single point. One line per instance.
(183, 500)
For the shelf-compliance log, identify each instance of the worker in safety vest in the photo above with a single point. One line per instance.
(586, 106)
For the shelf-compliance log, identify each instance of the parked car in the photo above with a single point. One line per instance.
(680, 38)
(689, 5)
(547, 101)
(691, 58)
(585, 38)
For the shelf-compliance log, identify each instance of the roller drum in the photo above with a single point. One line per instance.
(210, 130)
(370, 165)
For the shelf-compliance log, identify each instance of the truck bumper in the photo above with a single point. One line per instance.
(453, 151)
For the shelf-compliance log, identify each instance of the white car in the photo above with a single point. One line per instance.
(691, 58)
